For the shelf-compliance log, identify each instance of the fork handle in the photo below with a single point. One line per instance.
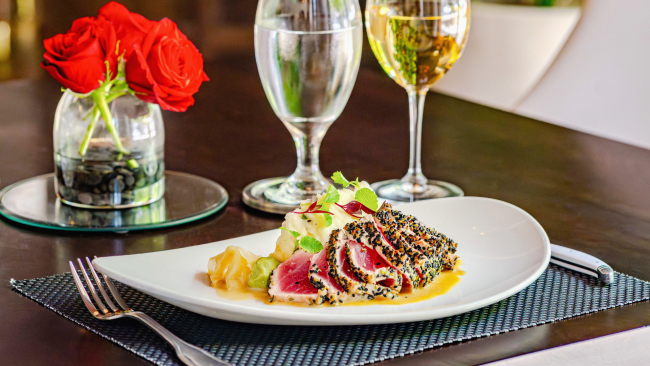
(189, 354)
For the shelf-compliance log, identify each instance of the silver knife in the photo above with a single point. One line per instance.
(582, 262)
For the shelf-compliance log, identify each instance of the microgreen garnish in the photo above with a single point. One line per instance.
(328, 217)
(332, 195)
(294, 233)
(328, 220)
(314, 208)
(303, 217)
(309, 244)
(338, 178)
(355, 208)
(367, 198)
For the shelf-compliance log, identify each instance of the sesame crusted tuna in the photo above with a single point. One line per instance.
(339, 269)
(425, 239)
(366, 232)
(329, 291)
(375, 256)
(445, 247)
(290, 280)
(370, 267)
(428, 267)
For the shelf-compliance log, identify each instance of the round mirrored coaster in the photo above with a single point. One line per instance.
(187, 198)
(391, 190)
(254, 196)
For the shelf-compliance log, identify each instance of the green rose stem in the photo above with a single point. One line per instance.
(91, 127)
(89, 133)
(101, 104)
(99, 97)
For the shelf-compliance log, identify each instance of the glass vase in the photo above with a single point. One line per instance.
(108, 165)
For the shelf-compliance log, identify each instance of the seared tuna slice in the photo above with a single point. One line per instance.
(329, 291)
(419, 238)
(366, 232)
(428, 267)
(445, 246)
(290, 280)
(370, 267)
(426, 240)
(339, 269)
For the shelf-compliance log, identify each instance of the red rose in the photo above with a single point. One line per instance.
(166, 68)
(77, 59)
(130, 28)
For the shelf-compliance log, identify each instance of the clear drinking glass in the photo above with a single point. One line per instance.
(308, 55)
(417, 42)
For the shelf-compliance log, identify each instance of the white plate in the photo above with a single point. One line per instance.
(503, 250)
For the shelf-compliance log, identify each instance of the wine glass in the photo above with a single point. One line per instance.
(308, 54)
(416, 42)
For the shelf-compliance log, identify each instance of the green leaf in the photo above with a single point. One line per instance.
(367, 198)
(356, 183)
(338, 178)
(332, 195)
(303, 217)
(294, 233)
(328, 217)
(310, 244)
(328, 220)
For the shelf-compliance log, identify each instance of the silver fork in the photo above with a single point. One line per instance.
(189, 354)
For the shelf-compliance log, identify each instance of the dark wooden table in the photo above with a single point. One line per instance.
(589, 193)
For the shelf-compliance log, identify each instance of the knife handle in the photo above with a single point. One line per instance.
(581, 262)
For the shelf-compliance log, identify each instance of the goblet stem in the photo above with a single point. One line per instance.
(414, 181)
(307, 180)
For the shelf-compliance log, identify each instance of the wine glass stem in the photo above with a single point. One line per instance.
(307, 150)
(307, 136)
(414, 181)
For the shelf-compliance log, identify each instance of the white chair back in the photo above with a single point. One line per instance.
(600, 81)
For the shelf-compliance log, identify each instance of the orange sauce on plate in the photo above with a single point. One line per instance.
(442, 284)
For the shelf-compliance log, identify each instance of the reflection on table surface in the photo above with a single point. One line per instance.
(65, 215)
(187, 198)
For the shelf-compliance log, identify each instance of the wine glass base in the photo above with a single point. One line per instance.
(253, 196)
(391, 190)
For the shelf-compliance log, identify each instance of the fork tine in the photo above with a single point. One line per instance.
(82, 291)
(113, 290)
(101, 288)
(92, 287)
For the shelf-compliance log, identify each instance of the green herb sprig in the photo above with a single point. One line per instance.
(307, 243)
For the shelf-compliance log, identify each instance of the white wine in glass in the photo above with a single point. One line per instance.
(308, 54)
(417, 42)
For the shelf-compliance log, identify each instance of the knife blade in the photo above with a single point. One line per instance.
(582, 262)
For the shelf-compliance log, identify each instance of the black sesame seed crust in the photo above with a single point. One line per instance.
(422, 238)
(326, 295)
(426, 239)
(357, 290)
(376, 276)
(428, 267)
(446, 247)
(366, 232)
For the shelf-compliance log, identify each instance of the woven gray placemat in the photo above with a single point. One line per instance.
(558, 294)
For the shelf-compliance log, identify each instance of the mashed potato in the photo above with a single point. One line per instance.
(315, 224)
